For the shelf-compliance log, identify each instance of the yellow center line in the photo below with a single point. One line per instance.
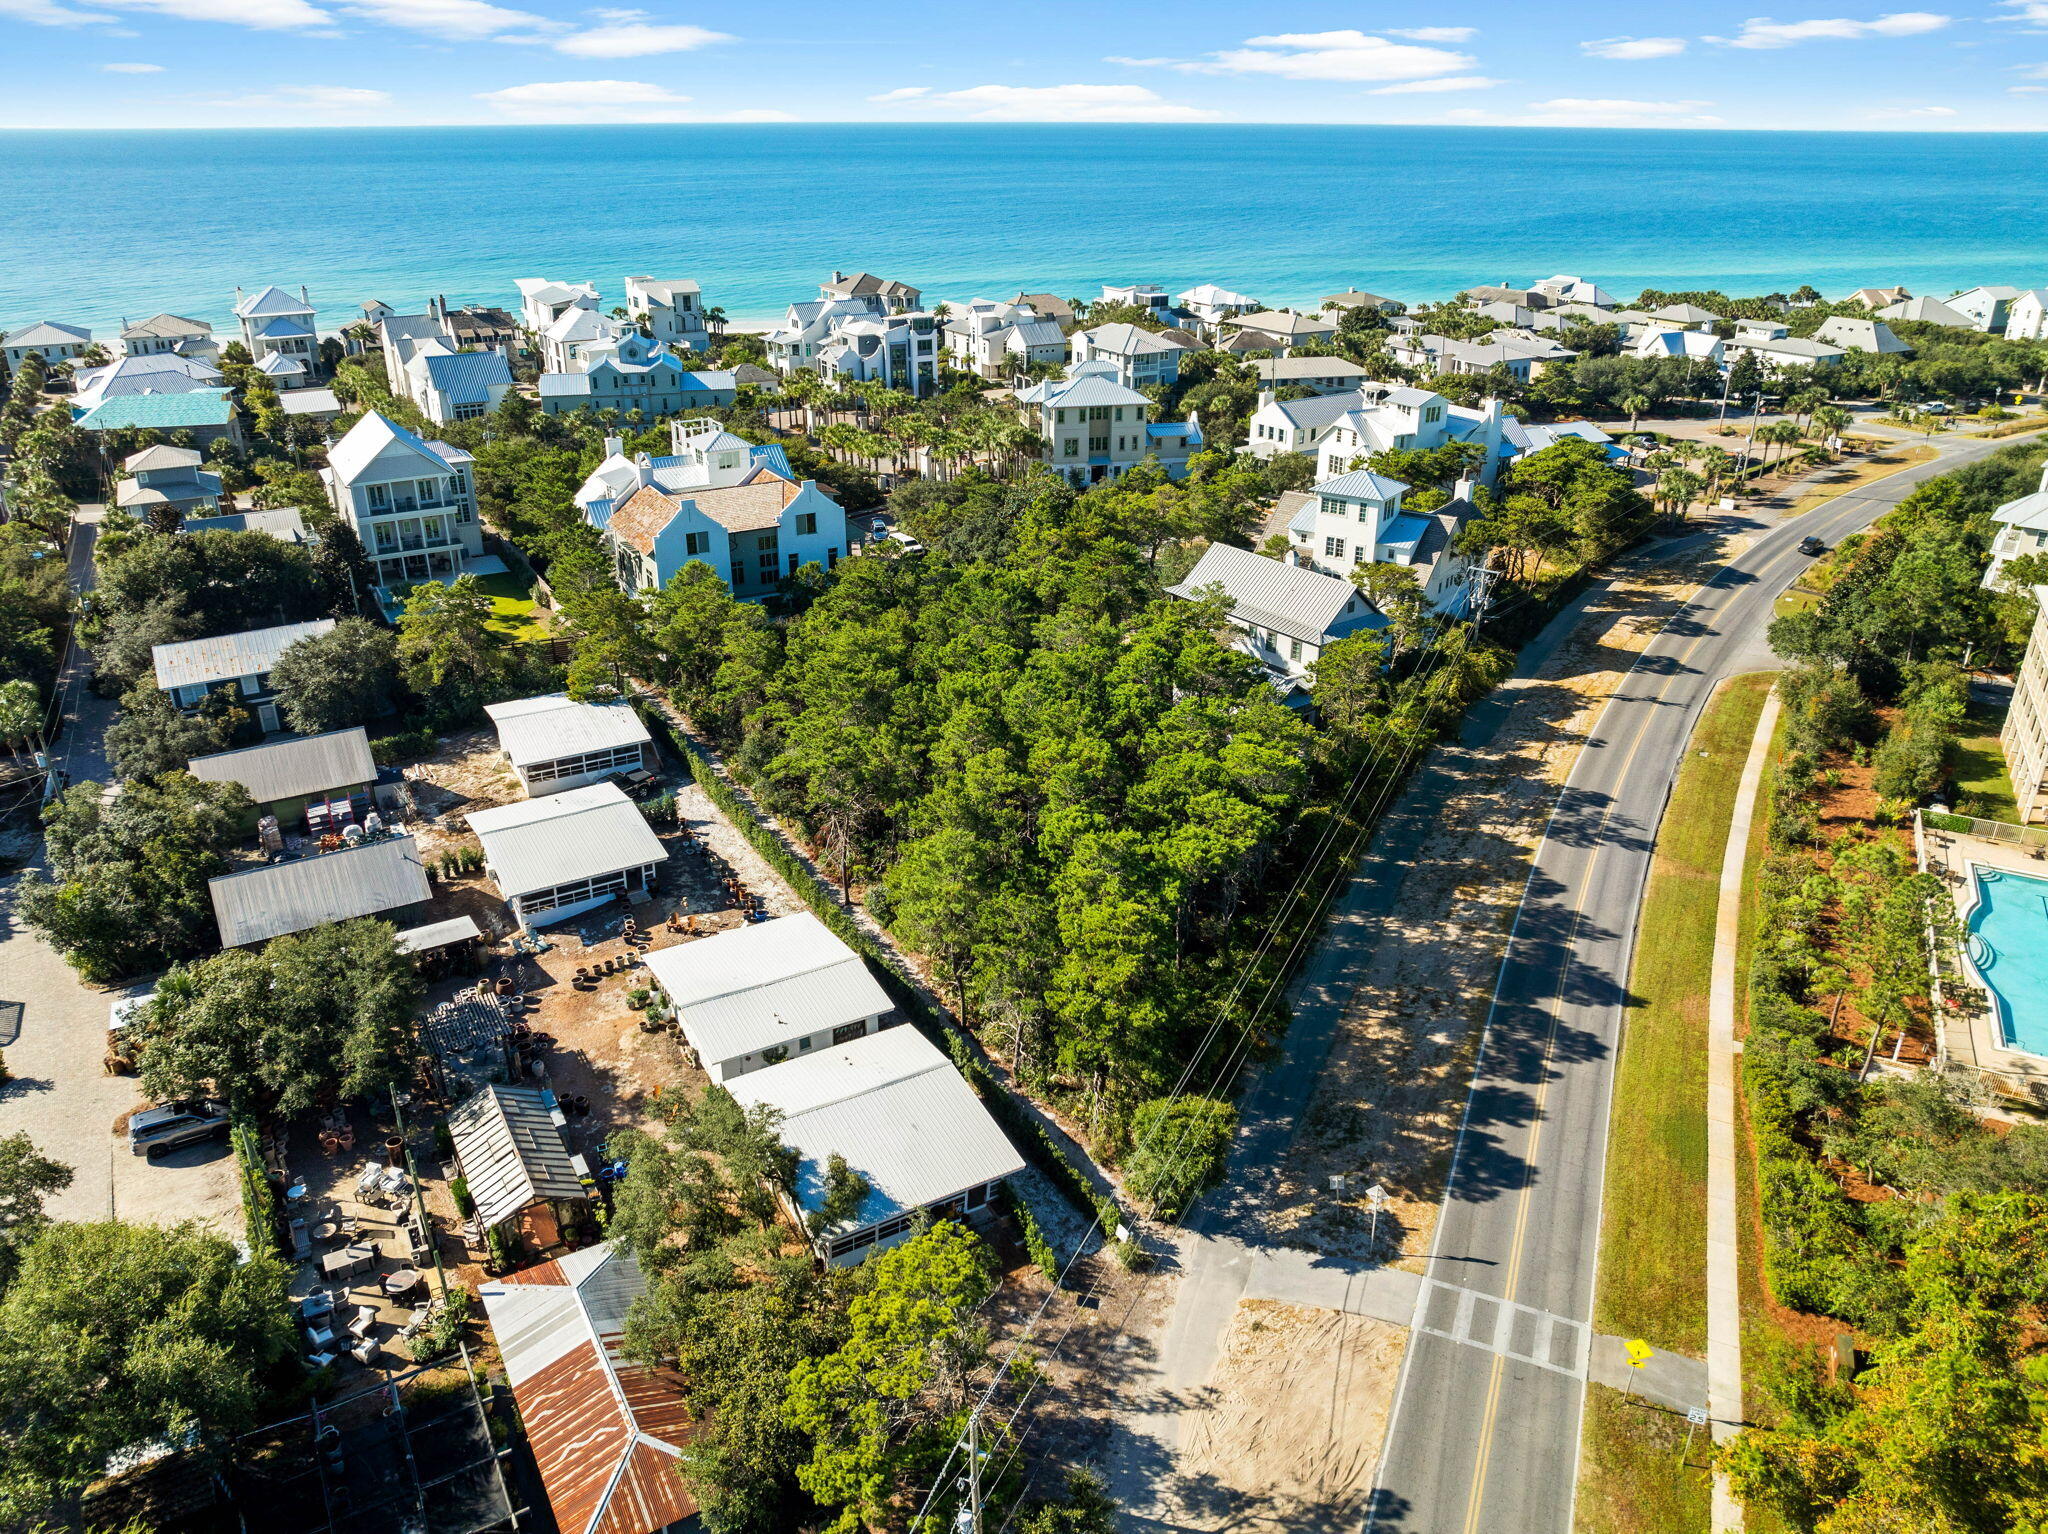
(1476, 1497)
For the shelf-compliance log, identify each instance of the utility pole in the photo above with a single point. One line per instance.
(968, 1519)
(1479, 584)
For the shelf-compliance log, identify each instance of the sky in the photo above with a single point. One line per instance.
(298, 63)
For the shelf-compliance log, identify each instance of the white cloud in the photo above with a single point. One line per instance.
(1762, 32)
(619, 101)
(1347, 55)
(459, 20)
(903, 93)
(263, 15)
(317, 98)
(1434, 34)
(2031, 71)
(45, 13)
(635, 39)
(1633, 47)
(1055, 103)
(1594, 112)
(133, 69)
(2034, 12)
(1432, 87)
(1898, 112)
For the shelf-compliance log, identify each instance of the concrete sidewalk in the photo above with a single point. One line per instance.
(1724, 1292)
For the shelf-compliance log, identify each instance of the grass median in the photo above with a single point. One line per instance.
(1653, 1241)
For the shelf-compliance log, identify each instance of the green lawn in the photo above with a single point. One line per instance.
(512, 606)
(1981, 778)
(1653, 1239)
(1638, 1473)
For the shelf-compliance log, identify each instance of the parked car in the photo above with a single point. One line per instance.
(1811, 545)
(169, 1125)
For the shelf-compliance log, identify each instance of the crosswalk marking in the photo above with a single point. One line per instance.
(1501, 1326)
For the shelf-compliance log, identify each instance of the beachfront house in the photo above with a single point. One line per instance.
(892, 1106)
(998, 340)
(412, 503)
(1050, 306)
(880, 295)
(555, 743)
(1985, 308)
(2024, 737)
(1358, 298)
(2026, 317)
(634, 373)
(1209, 306)
(238, 664)
(559, 856)
(170, 335)
(543, 300)
(165, 482)
(285, 777)
(717, 499)
(1095, 427)
(1284, 614)
(52, 340)
(756, 996)
(380, 876)
(1862, 336)
(277, 324)
(1564, 289)
(606, 1430)
(1877, 298)
(671, 312)
(1276, 330)
(1142, 359)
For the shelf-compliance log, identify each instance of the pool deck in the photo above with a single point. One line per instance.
(1973, 1039)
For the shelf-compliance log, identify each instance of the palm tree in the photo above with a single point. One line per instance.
(714, 321)
(1635, 405)
(1830, 420)
(1678, 489)
(1716, 462)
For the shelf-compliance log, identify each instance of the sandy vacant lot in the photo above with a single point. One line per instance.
(1302, 1395)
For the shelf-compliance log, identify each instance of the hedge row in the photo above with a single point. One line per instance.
(406, 746)
(1025, 1129)
(259, 1199)
(1036, 1242)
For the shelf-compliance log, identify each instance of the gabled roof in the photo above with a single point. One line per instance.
(1050, 305)
(225, 657)
(370, 438)
(1283, 370)
(605, 1430)
(1208, 293)
(761, 986)
(467, 378)
(537, 844)
(287, 524)
(1356, 298)
(893, 1105)
(1861, 335)
(866, 285)
(555, 725)
(162, 456)
(1929, 311)
(160, 412)
(1318, 409)
(290, 769)
(1361, 484)
(637, 520)
(1272, 594)
(48, 333)
(169, 326)
(257, 904)
(1087, 389)
(277, 364)
(284, 327)
(1282, 322)
(510, 1146)
(1685, 314)
(271, 300)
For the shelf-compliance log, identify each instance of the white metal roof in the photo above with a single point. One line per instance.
(759, 987)
(540, 843)
(556, 725)
(1271, 593)
(227, 656)
(285, 769)
(438, 934)
(508, 1141)
(369, 437)
(895, 1108)
(272, 899)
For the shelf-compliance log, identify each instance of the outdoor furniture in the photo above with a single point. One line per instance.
(302, 1245)
(316, 1305)
(318, 1361)
(399, 1282)
(349, 1261)
(368, 1177)
(364, 1352)
(365, 1319)
(320, 1336)
(326, 1230)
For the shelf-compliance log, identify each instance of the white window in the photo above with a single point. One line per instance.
(1294, 649)
(1333, 548)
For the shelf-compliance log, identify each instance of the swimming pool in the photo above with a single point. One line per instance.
(2008, 948)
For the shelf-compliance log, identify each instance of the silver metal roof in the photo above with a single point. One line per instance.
(268, 901)
(285, 769)
(509, 1144)
(540, 843)
(1271, 593)
(899, 1113)
(763, 986)
(546, 728)
(438, 934)
(227, 656)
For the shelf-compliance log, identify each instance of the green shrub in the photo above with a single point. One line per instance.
(464, 1204)
(1947, 822)
(1180, 1145)
(407, 746)
(1036, 1242)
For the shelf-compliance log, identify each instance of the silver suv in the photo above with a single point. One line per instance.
(173, 1124)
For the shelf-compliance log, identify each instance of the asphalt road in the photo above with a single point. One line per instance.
(1485, 1432)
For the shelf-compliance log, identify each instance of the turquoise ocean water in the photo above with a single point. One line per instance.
(94, 226)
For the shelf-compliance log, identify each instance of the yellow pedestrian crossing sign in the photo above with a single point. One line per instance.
(1639, 1352)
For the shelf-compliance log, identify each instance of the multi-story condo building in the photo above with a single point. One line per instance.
(1095, 428)
(411, 502)
(671, 312)
(2025, 735)
(277, 324)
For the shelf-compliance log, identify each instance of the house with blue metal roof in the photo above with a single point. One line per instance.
(450, 385)
(632, 372)
(206, 413)
(275, 323)
(1095, 427)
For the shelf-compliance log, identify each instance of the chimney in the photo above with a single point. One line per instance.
(304, 297)
(1266, 397)
(614, 447)
(1464, 489)
(643, 468)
